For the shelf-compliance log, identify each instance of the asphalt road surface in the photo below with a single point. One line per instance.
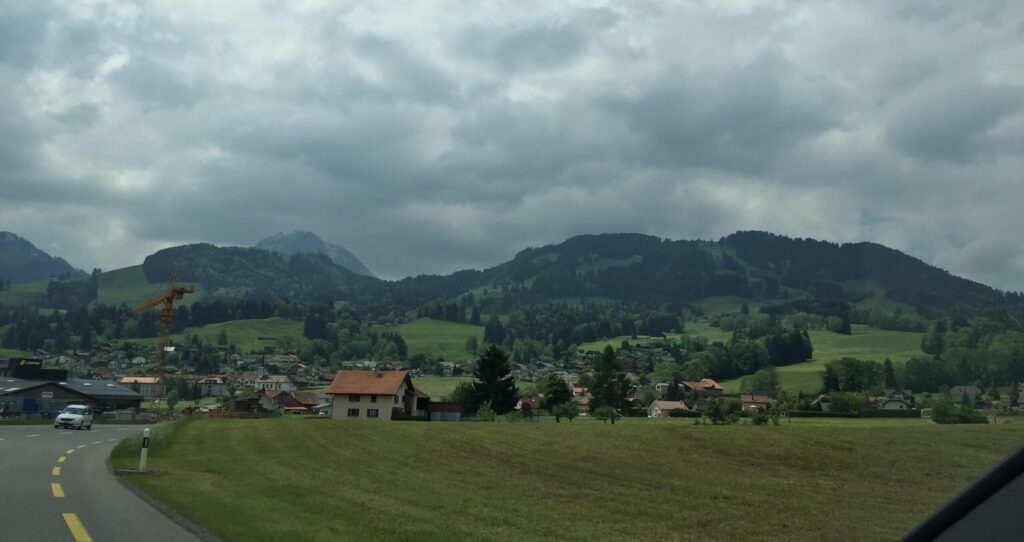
(55, 486)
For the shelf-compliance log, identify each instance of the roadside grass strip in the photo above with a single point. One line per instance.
(78, 531)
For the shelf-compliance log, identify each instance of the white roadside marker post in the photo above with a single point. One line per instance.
(145, 450)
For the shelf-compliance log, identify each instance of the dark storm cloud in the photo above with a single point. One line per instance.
(432, 137)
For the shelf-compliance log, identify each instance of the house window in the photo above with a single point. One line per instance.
(353, 398)
(373, 398)
(371, 413)
(396, 399)
(353, 413)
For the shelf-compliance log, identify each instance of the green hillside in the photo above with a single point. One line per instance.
(864, 343)
(637, 480)
(129, 286)
(243, 334)
(437, 338)
(24, 294)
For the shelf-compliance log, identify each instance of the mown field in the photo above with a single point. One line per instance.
(865, 342)
(326, 480)
(23, 294)
(129, 286)
(437, 338)
(243, 334)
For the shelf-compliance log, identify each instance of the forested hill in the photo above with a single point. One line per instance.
(633, 267)
(21, 261)
(235, 272)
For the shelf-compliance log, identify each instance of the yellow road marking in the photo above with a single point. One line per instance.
(56, 471)
(62, 459)
(71, 451)
(97, 442)
(77, 529)
(83, 445)
(57, 491)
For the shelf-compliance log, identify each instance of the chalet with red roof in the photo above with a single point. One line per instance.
(376, 395)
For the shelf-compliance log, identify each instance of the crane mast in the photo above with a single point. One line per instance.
(166, 299)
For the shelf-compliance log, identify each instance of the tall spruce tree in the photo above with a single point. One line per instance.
(610, 385)
(888, 373)
(494, 381)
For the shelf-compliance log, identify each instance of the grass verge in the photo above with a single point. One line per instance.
(290, 479)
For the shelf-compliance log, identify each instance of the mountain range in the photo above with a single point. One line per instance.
(21, 262)
(307, 242)
(624, 267)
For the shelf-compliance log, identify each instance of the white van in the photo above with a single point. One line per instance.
(75, 417)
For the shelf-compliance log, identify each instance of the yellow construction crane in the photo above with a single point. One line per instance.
(166, 314)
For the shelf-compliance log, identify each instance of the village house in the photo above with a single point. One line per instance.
(965, 395)
(706, 387)
(151, 387)
(212, 386)
(375, 395)
(895, 400)
(664, 409)
(582, 397)
(275, 382)
(758, 401)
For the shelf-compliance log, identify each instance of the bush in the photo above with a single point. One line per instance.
(945, 413)
(485, 413)
(568, 410)
(607, 413)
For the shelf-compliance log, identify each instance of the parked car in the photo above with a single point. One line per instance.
(74, 417)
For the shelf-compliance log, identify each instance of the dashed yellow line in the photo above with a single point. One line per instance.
(56, 471)
(97, 442)
(57, 491)
(62, 459)
(77, 529)
(71, 451)
(80, 446)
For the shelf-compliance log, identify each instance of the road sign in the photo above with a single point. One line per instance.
(47, 395)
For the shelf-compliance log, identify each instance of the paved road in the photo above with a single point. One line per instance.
(54, 486)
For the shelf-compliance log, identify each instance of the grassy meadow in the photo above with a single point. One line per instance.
(24, 294)
(129, 286)
(865, 342)
(327, 480)
(438, 387)
(437, 338)
(243, 333)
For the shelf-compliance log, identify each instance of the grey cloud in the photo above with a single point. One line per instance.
(951, 120)
(430, 138)
(155, 85)
(541, 44)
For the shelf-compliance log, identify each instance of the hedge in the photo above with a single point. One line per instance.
(912, 413)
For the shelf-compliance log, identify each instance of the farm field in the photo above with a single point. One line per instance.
(243, 333)
(815, 479)
(24, 294)
(439, 386)
(129, 286)
(865, 342)
(437, 338)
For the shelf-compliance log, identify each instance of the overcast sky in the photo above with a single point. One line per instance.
(431, 137)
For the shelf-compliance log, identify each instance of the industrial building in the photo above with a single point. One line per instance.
(42, 399)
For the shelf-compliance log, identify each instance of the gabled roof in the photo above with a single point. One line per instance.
(668, 406)
(704, 384)
(307, 398)
(140, 380)
(368, 382)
